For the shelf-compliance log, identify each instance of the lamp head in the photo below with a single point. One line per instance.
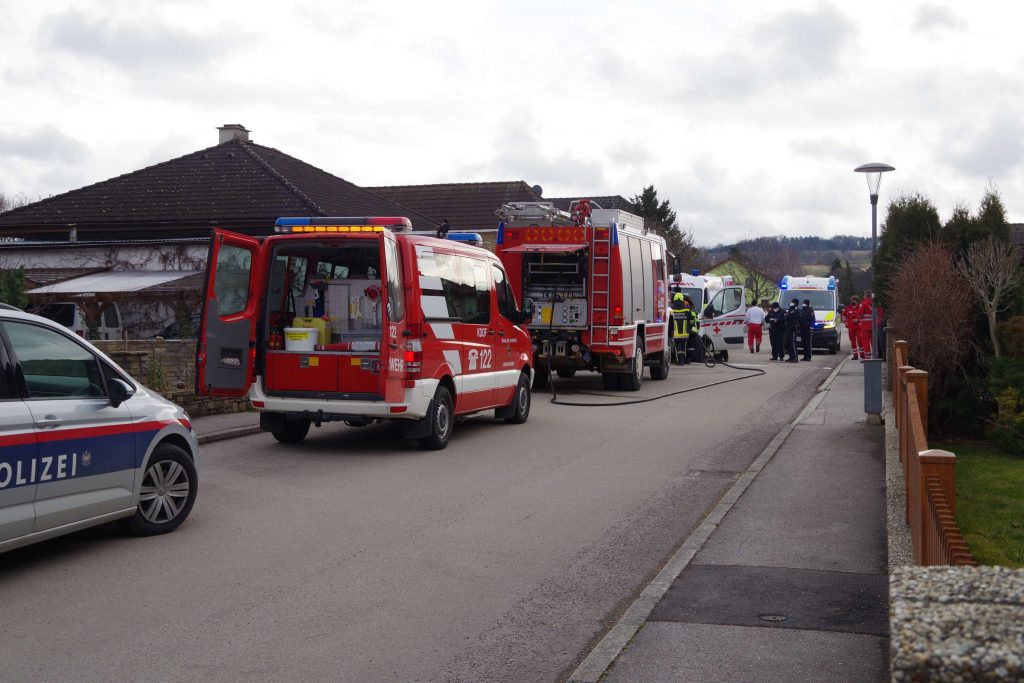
(873, 172)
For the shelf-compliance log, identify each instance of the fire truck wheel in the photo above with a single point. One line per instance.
(635, 377)
(611, 380)
(294, 431)
(661, 371)
(520, 401)
(540, 377)
(566, 373)
(441, 421)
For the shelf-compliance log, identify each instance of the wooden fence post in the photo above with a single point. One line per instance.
(941, 465)
(919, 378)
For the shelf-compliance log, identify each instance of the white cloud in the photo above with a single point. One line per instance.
(931, 17)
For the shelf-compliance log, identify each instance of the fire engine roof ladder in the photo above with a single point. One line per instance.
(600, 287)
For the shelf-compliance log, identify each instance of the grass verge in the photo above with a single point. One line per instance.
(990, 502)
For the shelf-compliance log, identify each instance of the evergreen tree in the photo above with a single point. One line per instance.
(659, 217)
(12, 287)
(911, 221)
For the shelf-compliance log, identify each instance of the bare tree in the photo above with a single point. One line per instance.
(992, 269)
(931, 310)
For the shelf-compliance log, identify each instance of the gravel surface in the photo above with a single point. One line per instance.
(957, 624)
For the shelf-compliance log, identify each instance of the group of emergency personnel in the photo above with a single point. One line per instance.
(784, 326)
(857, 316)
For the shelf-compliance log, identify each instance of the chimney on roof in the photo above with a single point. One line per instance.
(232, 131)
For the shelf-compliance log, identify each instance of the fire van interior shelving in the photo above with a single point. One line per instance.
(335, 289)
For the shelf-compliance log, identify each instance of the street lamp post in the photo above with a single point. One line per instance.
(873, 173)
(872, 369)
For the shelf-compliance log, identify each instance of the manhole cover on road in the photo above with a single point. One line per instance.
(772, 617)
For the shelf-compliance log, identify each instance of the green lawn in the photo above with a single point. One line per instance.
(989, 502)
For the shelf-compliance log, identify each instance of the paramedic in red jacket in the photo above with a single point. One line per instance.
(864, 325)
(850, 316)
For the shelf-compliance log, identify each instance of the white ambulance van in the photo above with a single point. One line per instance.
(822, 293)
(358, 320)
(721, 307)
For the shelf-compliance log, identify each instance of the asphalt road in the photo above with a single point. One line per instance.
(356, 557)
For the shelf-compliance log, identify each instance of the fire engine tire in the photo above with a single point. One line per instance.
(294, 431)
(520, 401)
(661, 371)
(540, 377)
(635, 377)
(566, 373)
(611, 380)
(441, 420)
(167, 493)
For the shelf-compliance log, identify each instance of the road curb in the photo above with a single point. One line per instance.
(625, 629)
(225, 434)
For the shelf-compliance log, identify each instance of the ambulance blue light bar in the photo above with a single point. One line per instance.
(832, 283)
(785, 283)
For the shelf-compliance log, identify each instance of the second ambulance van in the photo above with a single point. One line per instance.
(358, 320)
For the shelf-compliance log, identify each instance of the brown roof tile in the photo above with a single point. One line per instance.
(467, 206)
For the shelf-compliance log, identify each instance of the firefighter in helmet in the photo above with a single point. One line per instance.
(684, 324)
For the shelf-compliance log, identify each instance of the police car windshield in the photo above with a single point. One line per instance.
(820, 299)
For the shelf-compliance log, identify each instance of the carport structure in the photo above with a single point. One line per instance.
(93, 293)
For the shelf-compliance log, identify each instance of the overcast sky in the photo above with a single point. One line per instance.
(748, 116)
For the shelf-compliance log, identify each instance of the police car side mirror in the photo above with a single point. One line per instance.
(118, 391)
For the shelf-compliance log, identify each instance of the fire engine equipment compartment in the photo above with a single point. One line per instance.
(332, 289)
(557, 284)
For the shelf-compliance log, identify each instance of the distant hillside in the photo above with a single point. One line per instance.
(815, 254)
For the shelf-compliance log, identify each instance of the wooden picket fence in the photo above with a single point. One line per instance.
(928, 474)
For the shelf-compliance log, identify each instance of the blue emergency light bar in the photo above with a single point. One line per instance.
(501, 233)
(832, 283)
(785, 282)
(467, 237)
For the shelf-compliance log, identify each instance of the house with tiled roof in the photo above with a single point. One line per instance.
(159, 219)
(237, 185)
(469, 207)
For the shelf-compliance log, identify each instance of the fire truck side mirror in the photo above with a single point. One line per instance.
(526, 315)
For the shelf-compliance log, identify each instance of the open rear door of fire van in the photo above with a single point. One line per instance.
(226, 351)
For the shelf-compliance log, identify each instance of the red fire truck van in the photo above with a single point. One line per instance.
(597, 281)
(358, 320)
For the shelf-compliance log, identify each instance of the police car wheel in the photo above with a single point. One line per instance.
(520, 401)
(441, 421)
(167, 493)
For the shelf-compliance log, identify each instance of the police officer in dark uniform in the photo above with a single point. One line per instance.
(776, 319)
(792, 326)
(806, 323)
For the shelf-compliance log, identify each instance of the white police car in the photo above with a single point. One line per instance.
(82, 443)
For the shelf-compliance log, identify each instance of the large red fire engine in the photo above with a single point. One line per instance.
(597, 283)
(356, 319)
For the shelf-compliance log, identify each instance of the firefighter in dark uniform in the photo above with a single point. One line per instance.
(684, 320)
(806, 323)
(776, 319)
(792, 327)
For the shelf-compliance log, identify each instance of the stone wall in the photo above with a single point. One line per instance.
(168, 366)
